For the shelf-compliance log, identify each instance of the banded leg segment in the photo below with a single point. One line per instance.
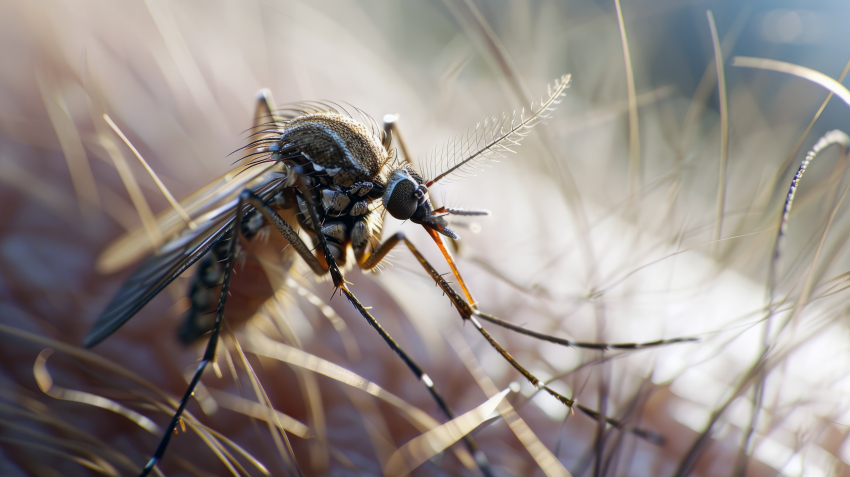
(467, 312)
(289, 233)
(381, 252)
(371, 261)
(209, 353)
(286, 230)
(580, 344)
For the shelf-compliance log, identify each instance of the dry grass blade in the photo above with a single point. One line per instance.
(810, 275)
(83, 355)
(724, 126)
(41, 448)
(547, 461)
(260, 393)
(348, 341)
(793, 153)
(219, 443)
(75, 155)
(415, 452)
(634, 127)
(29, 412)
(265, 347)
(45, 383)
(136, 196)
(800, 71)
(259, 411)
(89, 453)
(211, 438)
(153, 174)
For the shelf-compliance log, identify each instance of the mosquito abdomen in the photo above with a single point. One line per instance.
(250, 286)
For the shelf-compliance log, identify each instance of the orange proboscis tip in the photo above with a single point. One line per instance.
(439, 241)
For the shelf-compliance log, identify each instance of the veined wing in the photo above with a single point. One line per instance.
(175, 257)
(202, 205)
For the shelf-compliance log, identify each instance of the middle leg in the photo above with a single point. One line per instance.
(471, 313)
(339, 282)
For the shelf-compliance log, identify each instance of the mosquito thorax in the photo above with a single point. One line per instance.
(332, 145)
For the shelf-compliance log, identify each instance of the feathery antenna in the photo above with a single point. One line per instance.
(496, 136)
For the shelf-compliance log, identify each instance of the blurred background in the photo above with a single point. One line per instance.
(606, 227)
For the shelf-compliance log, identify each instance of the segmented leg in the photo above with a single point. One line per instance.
(580, 344)
(295, 240)
(392, 132)
(375, 258)
(467, 312)
(286, 230)
(209, 353)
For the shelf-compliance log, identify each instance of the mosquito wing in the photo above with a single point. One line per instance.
(173, 258)
(206, 201)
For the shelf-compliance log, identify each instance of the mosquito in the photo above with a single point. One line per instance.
(316, 167)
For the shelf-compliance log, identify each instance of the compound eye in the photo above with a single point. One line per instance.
(401, 200)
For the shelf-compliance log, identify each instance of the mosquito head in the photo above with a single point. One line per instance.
(404, 194)
(406, 198)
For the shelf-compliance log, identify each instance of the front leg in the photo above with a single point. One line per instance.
(231, 242)
(470, 313)
(291, 235)
(336, 274)
(368, 263)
